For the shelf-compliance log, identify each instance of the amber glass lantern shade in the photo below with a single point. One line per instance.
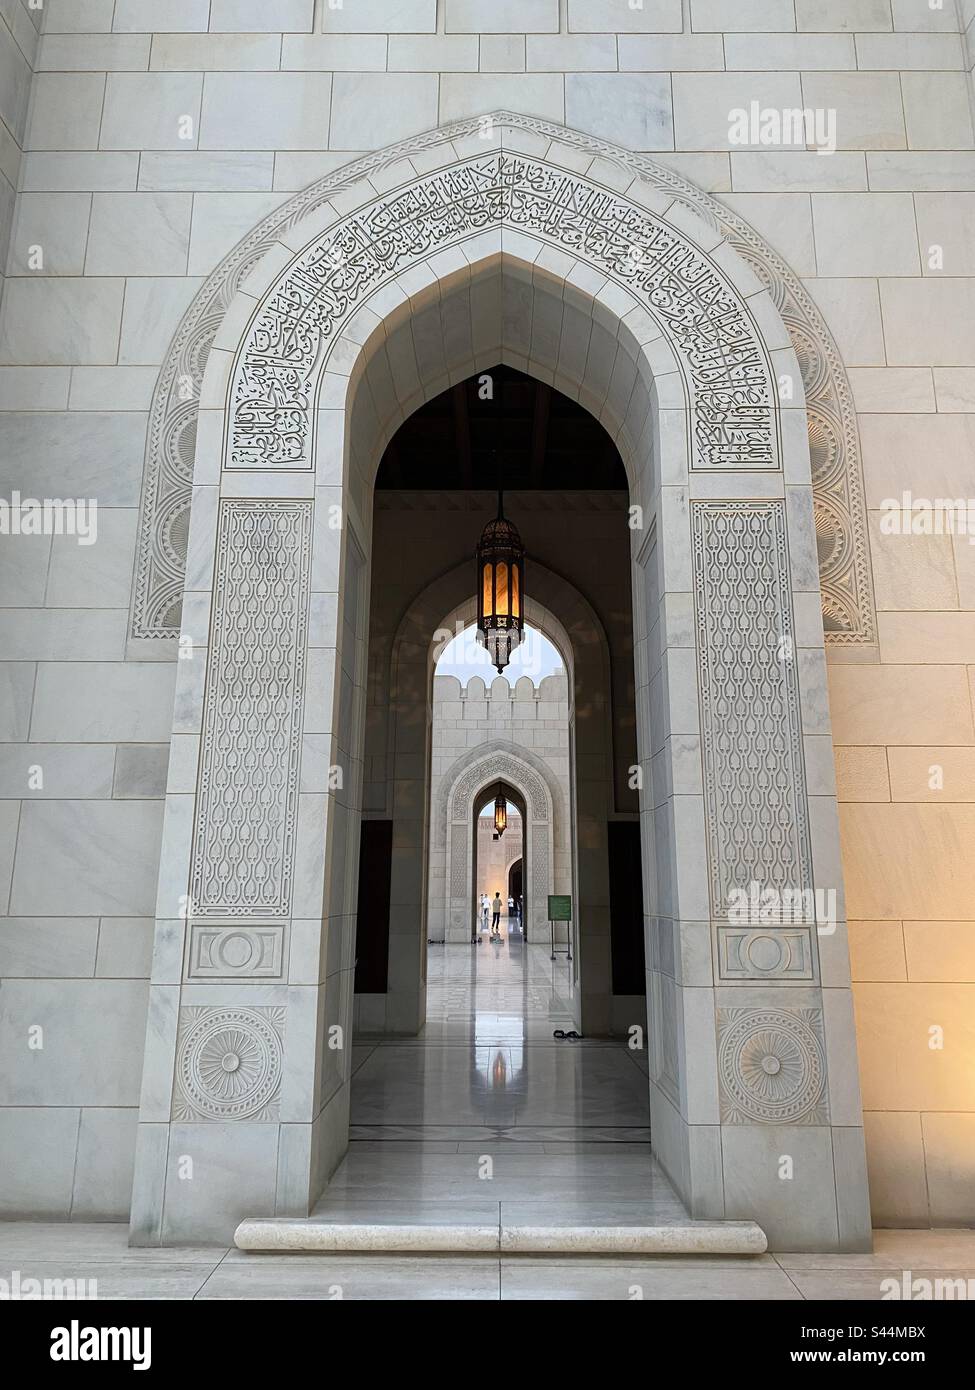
(500, 589)
(500, 814)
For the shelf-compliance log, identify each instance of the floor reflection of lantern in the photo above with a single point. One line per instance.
(499, 1072)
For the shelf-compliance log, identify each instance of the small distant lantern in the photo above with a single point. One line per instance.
(500, 814)
(500, 589)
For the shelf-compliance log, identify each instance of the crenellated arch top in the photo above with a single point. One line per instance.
(262, 324)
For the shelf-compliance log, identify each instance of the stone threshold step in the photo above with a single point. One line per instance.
(314, 1234)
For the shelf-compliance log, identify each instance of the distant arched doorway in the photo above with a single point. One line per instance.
(516, 879)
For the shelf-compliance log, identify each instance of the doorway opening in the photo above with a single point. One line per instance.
(515, 1044)
(492, 854)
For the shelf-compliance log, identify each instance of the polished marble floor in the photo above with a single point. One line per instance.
(486, 1115)
(100, 1253)
(564, 1127)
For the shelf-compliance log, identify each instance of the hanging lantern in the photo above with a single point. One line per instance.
(500, 589)
(500, 814)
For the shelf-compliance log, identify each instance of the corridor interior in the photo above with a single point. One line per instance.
(486, 1109)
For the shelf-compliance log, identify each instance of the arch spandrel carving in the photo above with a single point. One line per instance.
(837, 485)
(479, 767)
(728, 375)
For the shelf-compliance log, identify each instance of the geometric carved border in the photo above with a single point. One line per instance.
(786, 955)
(496, 768)
(247, 797)
(848, 613)
(772, 1066)
(242, 952)
(756, 814)
(229, 1063)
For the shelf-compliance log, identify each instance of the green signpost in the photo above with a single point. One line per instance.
(560, 910)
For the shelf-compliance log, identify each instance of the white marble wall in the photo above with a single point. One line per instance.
(148, 154)
(19, 29)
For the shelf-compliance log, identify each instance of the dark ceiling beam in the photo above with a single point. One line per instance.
(543, 401)
(462, 434)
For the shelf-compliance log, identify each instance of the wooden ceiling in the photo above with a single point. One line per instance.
(529, 433)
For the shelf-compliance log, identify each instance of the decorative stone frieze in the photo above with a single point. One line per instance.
(585, 220)
(246, 806)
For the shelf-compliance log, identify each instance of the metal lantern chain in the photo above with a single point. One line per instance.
(500, 587)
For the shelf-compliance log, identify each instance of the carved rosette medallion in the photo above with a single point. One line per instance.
(229, 1063)
(772, 1066)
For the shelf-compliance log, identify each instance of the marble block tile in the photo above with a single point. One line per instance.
(634, 108)
(63, 634)
(869, 111)
(937, 111)
(95, 702)
(44, 770)
(139, 234)
(61, 320)
(220, 220)
(233, 1175)
(265, 111)
(167, 16)
(24, 563)
(202, 171)
(105, 1160)
(865, 234)
(125, 946)
(471, 94)
(153, 309)
(93, 1032)
(332, 1276)
(138, 1279)
(151, 111)
(79, 172)
(53, 226)
(948, 1153)
(140, 770)
(758, 16)
(93, 53)
(581, 1280)
(78, 16)
(34, 388)
(502, 17)
(88, 857)
(42, 1188)
(620, 17)
(929, 322)
(60, 947)
(895, 1169)
(703, 103)
(16, 693)
(381, 17)
(238, 16)
(847, 16)
(66, 111)
(98, 575)
(371, 109)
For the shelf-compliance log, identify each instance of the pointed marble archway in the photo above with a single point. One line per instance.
(684, 360)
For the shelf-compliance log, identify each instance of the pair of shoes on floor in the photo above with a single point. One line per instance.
(561, 1033)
